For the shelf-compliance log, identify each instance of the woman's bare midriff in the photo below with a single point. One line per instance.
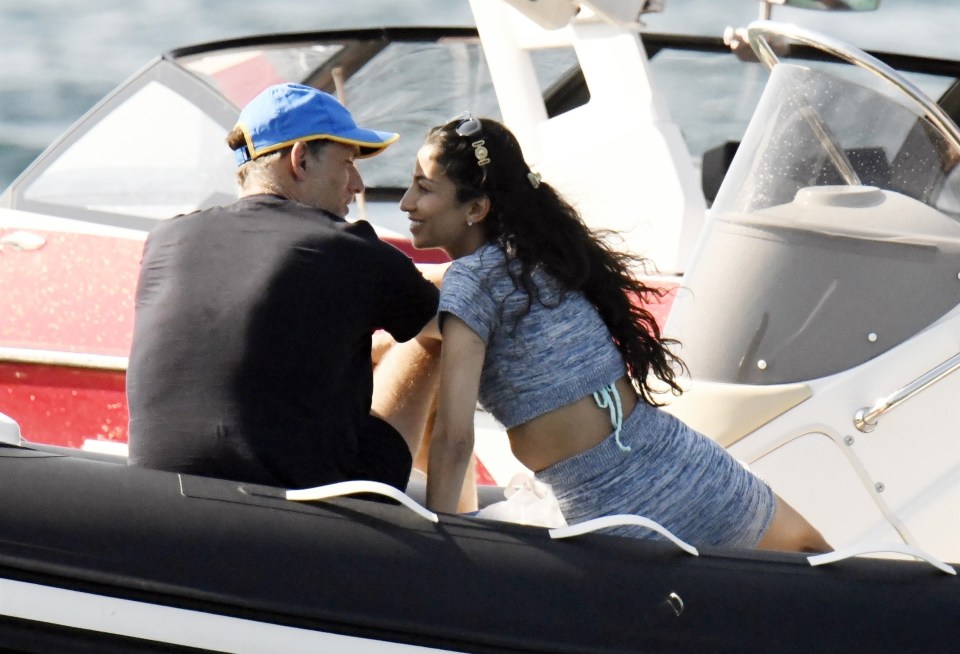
(568, 430)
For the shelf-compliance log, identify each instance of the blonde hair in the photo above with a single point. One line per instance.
(254, 167)
(260, 166)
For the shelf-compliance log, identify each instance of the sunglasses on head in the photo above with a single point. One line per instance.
(469, 127)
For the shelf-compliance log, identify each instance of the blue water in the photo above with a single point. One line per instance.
(59, 57)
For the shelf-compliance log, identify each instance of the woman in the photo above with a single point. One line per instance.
(539, 324)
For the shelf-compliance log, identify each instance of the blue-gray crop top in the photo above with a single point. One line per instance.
(558, 352)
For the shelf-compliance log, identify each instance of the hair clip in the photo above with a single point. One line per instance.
(481, 153)
(534, 179)
(468, 126)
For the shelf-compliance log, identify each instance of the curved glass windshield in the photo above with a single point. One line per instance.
(401, 86)
(833, 238)
(157, 147)
(120, 167)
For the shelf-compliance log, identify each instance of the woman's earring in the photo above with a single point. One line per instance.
(469, 223)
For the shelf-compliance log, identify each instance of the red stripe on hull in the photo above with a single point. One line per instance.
(62, 405)
(75, 294)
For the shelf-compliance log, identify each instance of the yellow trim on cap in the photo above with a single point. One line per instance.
(376, 149)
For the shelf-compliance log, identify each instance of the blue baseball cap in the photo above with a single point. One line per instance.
(285, 113)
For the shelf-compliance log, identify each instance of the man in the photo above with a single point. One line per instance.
(251, 356)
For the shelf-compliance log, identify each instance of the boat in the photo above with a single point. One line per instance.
(828, 366)
(785, 371)
(96, 556)
(72, 224)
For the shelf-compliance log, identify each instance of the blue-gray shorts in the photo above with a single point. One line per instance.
(672, 475)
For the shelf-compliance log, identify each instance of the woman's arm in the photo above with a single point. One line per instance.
(461, 363)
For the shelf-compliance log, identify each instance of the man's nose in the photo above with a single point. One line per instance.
(356, 182)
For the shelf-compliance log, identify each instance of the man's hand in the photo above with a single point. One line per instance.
(382, 342)
(433, 272)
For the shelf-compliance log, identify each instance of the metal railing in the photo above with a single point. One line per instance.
(64, 359)
(866, 418)
(759, 30)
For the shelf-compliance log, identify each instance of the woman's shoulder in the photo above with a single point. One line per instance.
(484, 267)
(487, 257)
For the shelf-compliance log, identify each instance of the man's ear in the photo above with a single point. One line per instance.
(478, 208)
(298, 159)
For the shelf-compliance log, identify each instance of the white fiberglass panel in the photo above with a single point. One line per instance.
(830, 241)
(154, 156)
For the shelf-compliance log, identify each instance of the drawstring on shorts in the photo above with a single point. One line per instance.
(608, 397)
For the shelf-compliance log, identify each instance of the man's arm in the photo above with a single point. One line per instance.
(433, 272)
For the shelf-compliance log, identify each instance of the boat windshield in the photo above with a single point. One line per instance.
(398, 86)
(156, 147)
(711, 95)
(833, 238)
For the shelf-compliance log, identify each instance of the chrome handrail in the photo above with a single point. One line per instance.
(64, 359)
(865, 420)
(759, 29)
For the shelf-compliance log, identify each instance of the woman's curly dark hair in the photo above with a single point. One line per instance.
(539, 228)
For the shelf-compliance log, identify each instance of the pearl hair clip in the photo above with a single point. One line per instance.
(534, 179)
(470, 126)
(481, 153)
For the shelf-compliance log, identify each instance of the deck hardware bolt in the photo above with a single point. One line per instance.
(762, 364)
(879, 486)
(675, 603)
(848, 440)
(872, 337)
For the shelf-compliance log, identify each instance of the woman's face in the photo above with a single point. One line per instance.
(437, 218)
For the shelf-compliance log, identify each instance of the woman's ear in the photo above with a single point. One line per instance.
(478, 208)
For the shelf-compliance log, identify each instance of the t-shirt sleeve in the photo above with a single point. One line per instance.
(464, 295)
(407, 300)
(410, 301)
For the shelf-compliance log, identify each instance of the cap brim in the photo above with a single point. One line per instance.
(370, 142)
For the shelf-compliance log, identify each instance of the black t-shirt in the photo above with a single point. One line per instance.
(251, 345)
